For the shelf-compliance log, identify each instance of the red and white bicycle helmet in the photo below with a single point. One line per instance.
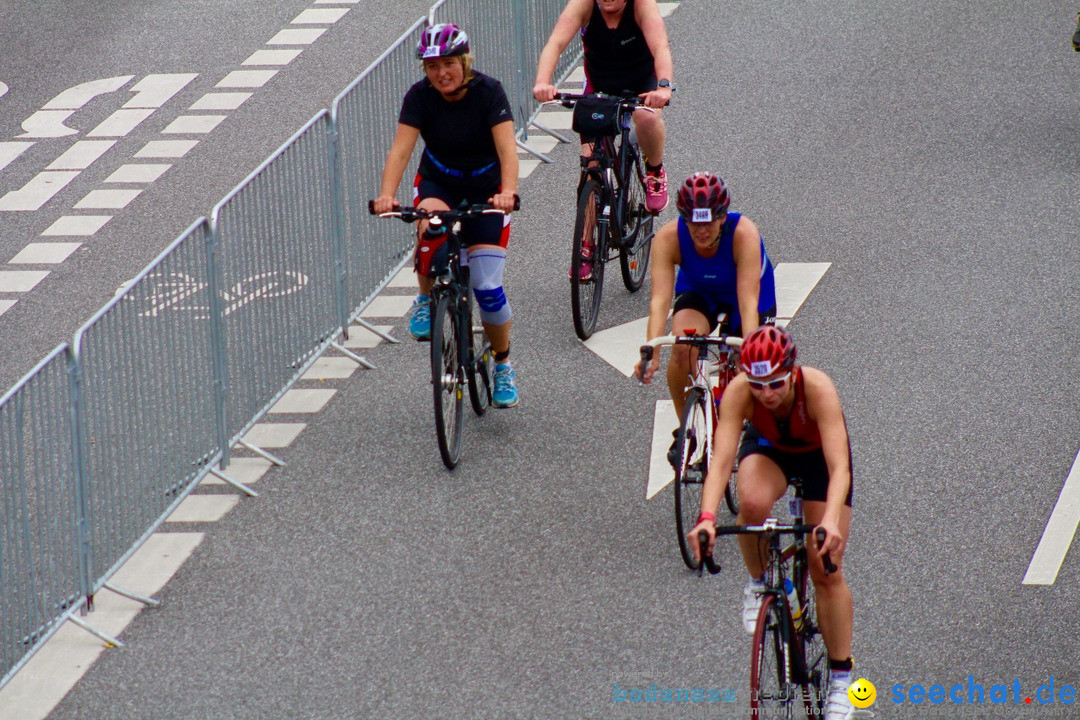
(702, 198)
(767, 350)
(442, 40)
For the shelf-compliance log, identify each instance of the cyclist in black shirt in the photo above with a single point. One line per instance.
(626, 53)
(470, 154)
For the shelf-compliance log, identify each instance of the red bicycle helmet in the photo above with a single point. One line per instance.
(702, 198)
(767, 350)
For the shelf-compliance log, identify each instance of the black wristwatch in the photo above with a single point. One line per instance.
(664, 82)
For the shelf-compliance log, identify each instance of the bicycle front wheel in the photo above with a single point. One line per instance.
(637, 227)
(731, 495)
(771, 696)
(587, 261)
(814, 666)
(692, 445)
(447, 378)
(480, 365)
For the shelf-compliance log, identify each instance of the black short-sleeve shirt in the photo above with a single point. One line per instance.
(457, 135)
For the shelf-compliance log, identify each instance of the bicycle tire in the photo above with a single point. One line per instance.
(731, 493)
(447, 379)
(588, 247)
(637, 226)
(480, 366)
(814, 660)
(771, 697)
(692, 443)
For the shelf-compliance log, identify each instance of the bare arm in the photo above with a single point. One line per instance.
(573, 17)
(665, 256)
(508, 165)
(647, 15)
(823, 405)
(396, 161)
(746, 248)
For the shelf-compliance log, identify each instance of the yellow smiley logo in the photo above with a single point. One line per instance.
(862, 693)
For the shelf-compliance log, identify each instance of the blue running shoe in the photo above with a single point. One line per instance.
(420, 322)
(506, 394)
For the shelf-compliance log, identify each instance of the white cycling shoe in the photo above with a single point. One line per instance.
(838, 705)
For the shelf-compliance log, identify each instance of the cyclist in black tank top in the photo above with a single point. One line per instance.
(626, 53)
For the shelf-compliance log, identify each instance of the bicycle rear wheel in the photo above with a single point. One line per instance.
(771, 696)
(480, 365)
(587, 261)
(447, 378)
(731, 495)
(637, 227)
(692, 443)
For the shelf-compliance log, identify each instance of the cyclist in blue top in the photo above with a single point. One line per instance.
(470, 155)
(715, 262)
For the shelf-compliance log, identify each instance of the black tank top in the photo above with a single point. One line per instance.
(614, 58)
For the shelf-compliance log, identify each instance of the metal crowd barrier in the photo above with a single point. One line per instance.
(104, 438)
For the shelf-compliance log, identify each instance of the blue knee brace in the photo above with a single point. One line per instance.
(486, 273)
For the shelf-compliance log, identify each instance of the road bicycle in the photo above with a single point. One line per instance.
(717, 363)
(611, 219)
(788, 662)
(461, 354)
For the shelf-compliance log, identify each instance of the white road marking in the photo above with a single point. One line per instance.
(166, 148)
(153, 91)
(6, 305)
(620, 346)
(273, 57)
(44, 253)
(11, 150)
(660, 472)
(121, 122)
(203, 508)
(138, 173)
(55, 669)
(107, 199)
(220, 101)
(245, 470)
(336, 2)
(274, 435)
(38, 191)
(576, 76)
(794, 281)
(246, 79)
(300, 400)
(330, 368)
(81, 155)
(1059, 533)
(75, 97)
(556, 119)
(541, 142)
(3, 89)
(320, 16)
(526, 167)
(360, 338)
(406, 277)
(193, 125)
(666, 8)
(20, 280)
(48, 124)
(388, 306)
(77, 225)
(296, 37)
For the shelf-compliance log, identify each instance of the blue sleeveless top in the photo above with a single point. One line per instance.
(714, 277)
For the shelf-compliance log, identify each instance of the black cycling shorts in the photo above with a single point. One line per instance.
(810, 467)
(691, 300)
(483, 230)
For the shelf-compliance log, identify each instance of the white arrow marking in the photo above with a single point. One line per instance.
(11, 150)
(81, 155)
(121, 122)
(38, 191)
(1059, 533)
(660, 472)
(153, 91)
(74, 98)
(47, 124)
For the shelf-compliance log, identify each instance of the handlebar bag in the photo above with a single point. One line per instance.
(596, 116)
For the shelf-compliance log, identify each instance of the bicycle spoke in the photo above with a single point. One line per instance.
(587, 261)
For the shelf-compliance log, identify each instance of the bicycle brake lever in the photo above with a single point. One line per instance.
(819, 534)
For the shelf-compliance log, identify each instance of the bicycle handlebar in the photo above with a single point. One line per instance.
(770, 526)
(628, 102)
(412, 214)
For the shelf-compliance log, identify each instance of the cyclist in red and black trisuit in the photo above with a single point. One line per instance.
(796, 429)
(626, 53)
(470, 155)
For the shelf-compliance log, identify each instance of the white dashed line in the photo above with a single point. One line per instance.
(302, 401)
(20, 280)
(330, 368)
(1059, 532)
(273, 57)
(107, 199)
(121, 122)
(137, 173)
(246, 79)
(296, 37)
(220, 101)
(556, 119)
(153, 91)
(666, 8)
(193, 125)
(336, 2)
(274, 435)
(9, 151)
(388, 306)
(44, 253)
(360, 338)
(794, 281)
(244, 470)
(6, 305)
(166, 148)
(526, 167)
(38, 191)
(77, 225)
(321, 16)
(81, 155)
(203, 508)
